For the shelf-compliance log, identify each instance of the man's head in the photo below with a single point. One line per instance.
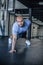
(20, 20)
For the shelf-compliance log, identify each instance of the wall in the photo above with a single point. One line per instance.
(34, 30)
(40, 32)
(10, 24)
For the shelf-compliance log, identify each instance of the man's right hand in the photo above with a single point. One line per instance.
(11, 51)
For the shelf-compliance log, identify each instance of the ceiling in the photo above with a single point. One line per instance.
(31, 3)
(37, 10)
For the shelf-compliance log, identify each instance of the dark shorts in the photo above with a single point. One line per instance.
(22, 35)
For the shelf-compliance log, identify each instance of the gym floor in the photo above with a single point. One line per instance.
(31, 56)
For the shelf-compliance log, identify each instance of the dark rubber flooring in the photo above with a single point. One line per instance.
(33, 55)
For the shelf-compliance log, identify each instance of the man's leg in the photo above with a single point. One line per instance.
(24, 35)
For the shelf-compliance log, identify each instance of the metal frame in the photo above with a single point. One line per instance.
(29, 30)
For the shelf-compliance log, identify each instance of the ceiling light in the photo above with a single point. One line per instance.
(40, 3)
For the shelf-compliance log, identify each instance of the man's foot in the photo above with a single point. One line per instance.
(11, 51)
(28, 42)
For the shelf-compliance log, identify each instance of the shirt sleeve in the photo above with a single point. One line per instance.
(14, 29)
(27, 24)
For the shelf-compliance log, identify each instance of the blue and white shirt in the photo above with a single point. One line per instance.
(16, 29)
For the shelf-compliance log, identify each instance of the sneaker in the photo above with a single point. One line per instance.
(27, 42)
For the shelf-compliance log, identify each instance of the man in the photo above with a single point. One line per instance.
(19, 30)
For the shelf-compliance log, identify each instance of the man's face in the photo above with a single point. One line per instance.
(20, 21)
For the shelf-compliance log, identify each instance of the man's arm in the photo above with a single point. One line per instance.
(14, 41)
(27, 25)
(14, 38)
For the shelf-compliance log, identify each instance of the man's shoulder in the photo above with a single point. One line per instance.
(15, 24)
(26, 20)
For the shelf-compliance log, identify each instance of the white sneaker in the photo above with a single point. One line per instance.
(27, 42)
(9, 41)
